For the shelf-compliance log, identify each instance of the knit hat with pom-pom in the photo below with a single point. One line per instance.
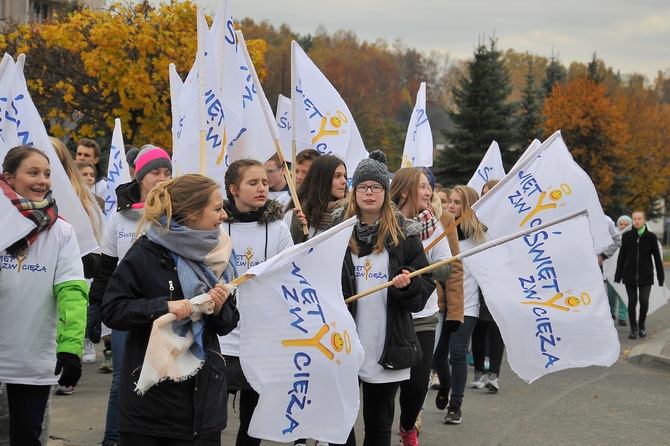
(372, 169)
(150, 158)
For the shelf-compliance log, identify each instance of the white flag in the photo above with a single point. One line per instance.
(545, 186)
(490, 168)
(418, 150)
(545, 292)
(258, 132)
(284, 123)
(530, 149)
(321, 118)
(21, 125)
(118, 170)
(298, 343)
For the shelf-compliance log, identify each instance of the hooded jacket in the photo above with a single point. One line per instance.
(634, 265)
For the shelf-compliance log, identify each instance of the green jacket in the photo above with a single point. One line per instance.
(72, 301)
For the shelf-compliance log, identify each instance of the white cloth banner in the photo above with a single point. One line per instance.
(21, 125)
(284, 123)
(118, 170)
(321, 118)
(490, 168)
(418, 151)
(14, 225)
(545, 292)
(545, 186)
(530, 149)
(299, 348)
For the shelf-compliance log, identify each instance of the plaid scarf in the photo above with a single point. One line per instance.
(428, 222)
(43, 213)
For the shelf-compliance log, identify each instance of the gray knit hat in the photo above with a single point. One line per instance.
(150, 158)
(372, 169)
(131, 155)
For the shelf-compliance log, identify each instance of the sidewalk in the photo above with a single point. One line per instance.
(654, 353)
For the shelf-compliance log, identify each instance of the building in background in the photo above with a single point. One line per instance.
(36, 10)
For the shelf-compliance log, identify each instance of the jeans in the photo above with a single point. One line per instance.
(487, 331)
(27, 404)
(413, 391)
(614, 298)
(112, 420)
(452, 350)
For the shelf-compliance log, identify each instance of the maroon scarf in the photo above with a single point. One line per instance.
(43, 213)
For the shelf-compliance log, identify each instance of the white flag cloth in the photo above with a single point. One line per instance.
(490, 168)
(258, 131)
(545, 186)
(21, 125)
(530, 149)
(298, 343)
(321, 118)
(418, 151)
(14, 225)
(545, 292)
(118, 170)
(284, 123)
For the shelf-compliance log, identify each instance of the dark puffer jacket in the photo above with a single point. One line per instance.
(401, 346)
(634, 265)
(136, 295)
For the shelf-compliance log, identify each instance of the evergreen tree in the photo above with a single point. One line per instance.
(529, 124)
(483, 115)
(555, 73)
(592, 70)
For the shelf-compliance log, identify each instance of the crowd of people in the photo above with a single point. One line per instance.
(171, 245)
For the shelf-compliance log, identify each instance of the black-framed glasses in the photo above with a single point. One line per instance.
(375, 188)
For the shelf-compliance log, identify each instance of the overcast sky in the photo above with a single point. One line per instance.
(630, 36)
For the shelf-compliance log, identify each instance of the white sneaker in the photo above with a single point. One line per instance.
(434, 381)
(478, 381)
(88, 357)
(492, 383)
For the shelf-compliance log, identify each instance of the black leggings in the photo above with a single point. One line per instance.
(632, 291)
(483, 331)
(27, 404)
(413, 391)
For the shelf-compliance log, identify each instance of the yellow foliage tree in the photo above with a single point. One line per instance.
(92, 66)
(593, 129)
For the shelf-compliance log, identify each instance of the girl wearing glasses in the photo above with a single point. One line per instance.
(381, 249)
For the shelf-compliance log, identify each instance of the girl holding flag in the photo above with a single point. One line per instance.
(258, 233)
(184, 254)
(412, 193)
(382, 249)
(43, 317)
(452, 348)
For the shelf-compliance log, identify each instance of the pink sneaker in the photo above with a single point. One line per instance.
(410, 437)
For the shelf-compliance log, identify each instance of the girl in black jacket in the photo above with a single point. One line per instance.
(379, 251)
(183, 254)
(635, 267)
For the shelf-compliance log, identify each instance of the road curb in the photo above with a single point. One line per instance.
(654, 353)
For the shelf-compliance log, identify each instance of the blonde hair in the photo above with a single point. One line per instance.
(388, 226)
(177, 199)
(80, 188)
(470, 226)
(406, 180)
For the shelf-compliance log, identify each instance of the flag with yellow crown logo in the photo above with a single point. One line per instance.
(298, 343)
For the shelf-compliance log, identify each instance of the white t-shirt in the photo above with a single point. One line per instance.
(371, 271)
(282, 196)
(119, 235)
(470, 285)
(252, 246)
(28, 315)
(437, 253)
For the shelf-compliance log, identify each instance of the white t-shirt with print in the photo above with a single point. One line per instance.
(252, 246)
(28, 315)
(371, 271)
(120, 232)
(437, 253)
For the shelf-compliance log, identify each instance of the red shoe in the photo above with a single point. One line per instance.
(410, 437)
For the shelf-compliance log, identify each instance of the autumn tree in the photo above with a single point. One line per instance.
(483, 115)
(593, 129)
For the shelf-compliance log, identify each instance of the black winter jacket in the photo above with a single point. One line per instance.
(634, 265)
(136, 295)
(401, 347)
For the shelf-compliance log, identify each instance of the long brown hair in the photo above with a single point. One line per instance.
(406, 180)
(80, 188)
(388, 226)
(470, 226)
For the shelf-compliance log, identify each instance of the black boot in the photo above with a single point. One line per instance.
(633, 333)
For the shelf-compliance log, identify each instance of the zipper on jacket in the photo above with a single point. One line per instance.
(171, 288)
(637, 262)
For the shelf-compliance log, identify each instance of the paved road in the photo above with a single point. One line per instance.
(625, 404)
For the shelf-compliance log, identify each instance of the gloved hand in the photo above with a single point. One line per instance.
(70, 365)
(94, 324)
(452, 326)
